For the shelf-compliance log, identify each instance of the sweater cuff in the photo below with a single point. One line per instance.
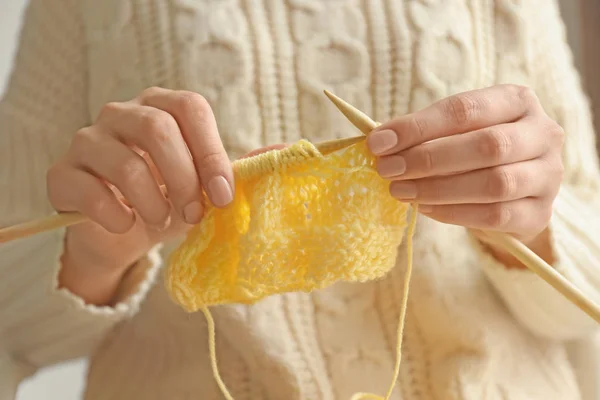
(47, 324)
(130, 294)
(536, 304)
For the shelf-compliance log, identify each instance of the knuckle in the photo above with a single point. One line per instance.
(152, 91)
(192, 103)
(502, 184)
(462, 109)
(427, 161)
(418, 125)
(495, 145)
(109, 109)
(210, 159)
(81, 137)
(498, 216)
(525, 94)
(157, 124)
(82, 143)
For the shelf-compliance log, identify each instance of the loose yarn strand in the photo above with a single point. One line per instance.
(213, 353)
(404, 306)
(403, 309)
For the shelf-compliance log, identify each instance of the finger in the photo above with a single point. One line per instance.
(484, 148)
(155, 172)
(521, 217)
(157, 133)
(126, 170)
(456, 114)
(72, 189)
(490, 185)
(199, 128)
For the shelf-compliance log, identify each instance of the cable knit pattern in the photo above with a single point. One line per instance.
(475, 329)
(330, 40)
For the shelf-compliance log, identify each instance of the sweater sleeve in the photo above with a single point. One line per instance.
(575, 223)
(44, 104)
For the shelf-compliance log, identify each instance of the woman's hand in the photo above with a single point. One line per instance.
(487, 159)
(160, 137)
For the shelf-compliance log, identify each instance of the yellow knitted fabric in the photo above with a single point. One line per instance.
(300, 221)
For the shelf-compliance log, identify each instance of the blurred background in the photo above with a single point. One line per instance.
(65, 382)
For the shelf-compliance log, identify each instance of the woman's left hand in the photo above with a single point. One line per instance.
(487, 159)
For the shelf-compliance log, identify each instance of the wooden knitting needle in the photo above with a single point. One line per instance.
(65, 219)
(510, 244)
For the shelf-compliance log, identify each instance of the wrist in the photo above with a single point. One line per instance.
(92, 284)
(94, 277)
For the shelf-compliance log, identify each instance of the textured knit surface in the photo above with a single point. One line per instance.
(474, 329)
(300, 221)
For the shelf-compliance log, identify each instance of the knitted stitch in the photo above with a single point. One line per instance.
(300, 221)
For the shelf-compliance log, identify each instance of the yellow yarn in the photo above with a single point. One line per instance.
(300, 221)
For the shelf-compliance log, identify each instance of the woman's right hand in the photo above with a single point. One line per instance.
(160, 137)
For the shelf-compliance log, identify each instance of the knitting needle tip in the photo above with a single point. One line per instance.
(359, 119)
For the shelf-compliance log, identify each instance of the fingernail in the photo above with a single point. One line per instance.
(403, 190)
(425, 209)
(192, 213)
(219, 191)
(163, 227)
(381, 141)
(391, 166)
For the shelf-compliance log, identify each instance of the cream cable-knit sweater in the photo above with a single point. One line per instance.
(475, 330)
